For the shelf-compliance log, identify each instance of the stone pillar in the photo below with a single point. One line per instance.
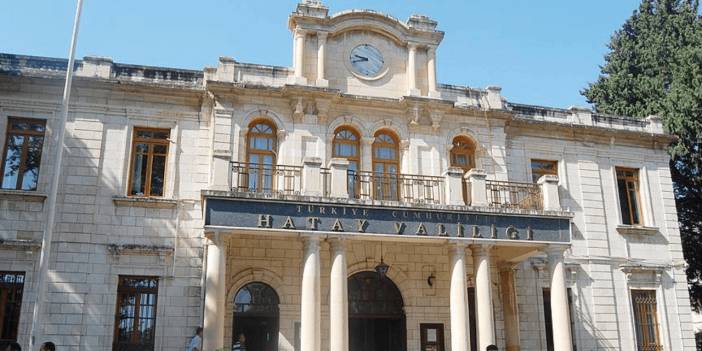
(509, 308)
(483, 296)
(560, 312)
(453, 183)
(215, 296)
(221, 173)
(431, 72)
(339, 169)
(311, 304)
(549, 192)
(412, 70)
(338, 298)
(300, 36)
(321, 51)
(460, 331)
(478, 191)
(312, 176)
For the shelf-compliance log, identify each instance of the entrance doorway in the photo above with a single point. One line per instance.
(376, 314)
(256, 316)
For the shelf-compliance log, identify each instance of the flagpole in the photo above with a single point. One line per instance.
(41, 282)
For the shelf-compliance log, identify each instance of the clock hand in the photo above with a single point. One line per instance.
(360, 58)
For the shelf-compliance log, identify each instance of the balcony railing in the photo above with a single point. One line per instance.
(395, 187)
(454, 188)
(526, 196)
(266, 178)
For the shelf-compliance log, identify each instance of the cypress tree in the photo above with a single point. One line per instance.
(654, 67)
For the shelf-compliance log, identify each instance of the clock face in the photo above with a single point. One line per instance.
(366, 60)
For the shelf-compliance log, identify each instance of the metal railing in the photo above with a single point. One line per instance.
(395, 187)
(266, 178)
(515, 195)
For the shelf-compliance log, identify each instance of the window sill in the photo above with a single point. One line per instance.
(152, 202)
(22, 195)
(636, 230)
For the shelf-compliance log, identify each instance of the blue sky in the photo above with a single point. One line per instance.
(540, 52)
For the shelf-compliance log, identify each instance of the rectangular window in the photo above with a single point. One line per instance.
(22, 156)
(540, 168)
(148, 164)
(628, 187)
(135, 319)
(646, 320)
(548, 322)
(11, 287)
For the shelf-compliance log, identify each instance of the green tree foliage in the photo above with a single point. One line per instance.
(654, 67)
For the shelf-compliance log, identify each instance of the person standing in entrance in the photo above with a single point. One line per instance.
(240, 345)
(196, 342)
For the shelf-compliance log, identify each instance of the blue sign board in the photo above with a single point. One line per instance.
(344, 218)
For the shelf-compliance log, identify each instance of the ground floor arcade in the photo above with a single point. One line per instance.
(315, 291)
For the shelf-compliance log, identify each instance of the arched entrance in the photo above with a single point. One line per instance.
(256, 316)
(376, 314)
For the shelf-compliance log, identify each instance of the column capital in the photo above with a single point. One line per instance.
(482, 249)
(311, 242)
(412, 46)
(555, 251)
(337, 244)
(368, 140)
(300, 32)
(458, 248)
(431, 49)
(322, 36)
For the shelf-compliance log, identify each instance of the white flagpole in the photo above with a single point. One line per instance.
(41, 281)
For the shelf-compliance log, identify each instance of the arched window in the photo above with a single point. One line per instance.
(261, 143)
(463, 153)
(256, 317)
(347, 144)
(386, 165)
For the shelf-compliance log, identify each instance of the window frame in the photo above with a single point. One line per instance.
(637, 180)
(126, 290)
(636, 322)
(150, 154)
(12, 287)
(469, 151)
(23, 156)
(542, 173)
(385, 178)
(273, 152)
(353, 180)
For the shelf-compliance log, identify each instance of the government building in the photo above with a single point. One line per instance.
(347, 203)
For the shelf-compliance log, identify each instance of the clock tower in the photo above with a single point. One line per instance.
(364, 52)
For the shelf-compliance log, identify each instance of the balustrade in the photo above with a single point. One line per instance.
(337, 181)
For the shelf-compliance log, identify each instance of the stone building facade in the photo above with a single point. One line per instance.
(350, 202)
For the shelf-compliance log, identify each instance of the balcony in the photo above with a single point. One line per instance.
(453, 188)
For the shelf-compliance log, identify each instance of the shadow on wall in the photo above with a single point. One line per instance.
(588, 336)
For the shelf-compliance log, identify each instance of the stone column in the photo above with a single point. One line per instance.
(549, 192)
(483, 296)
(338, 299)
(321, 51)
(412, 69)
(478, 190)
(310, 299)
(215, 296)
(300, 35)
(460, 331)
(431, 71)
(509, 308)
(560, 313)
